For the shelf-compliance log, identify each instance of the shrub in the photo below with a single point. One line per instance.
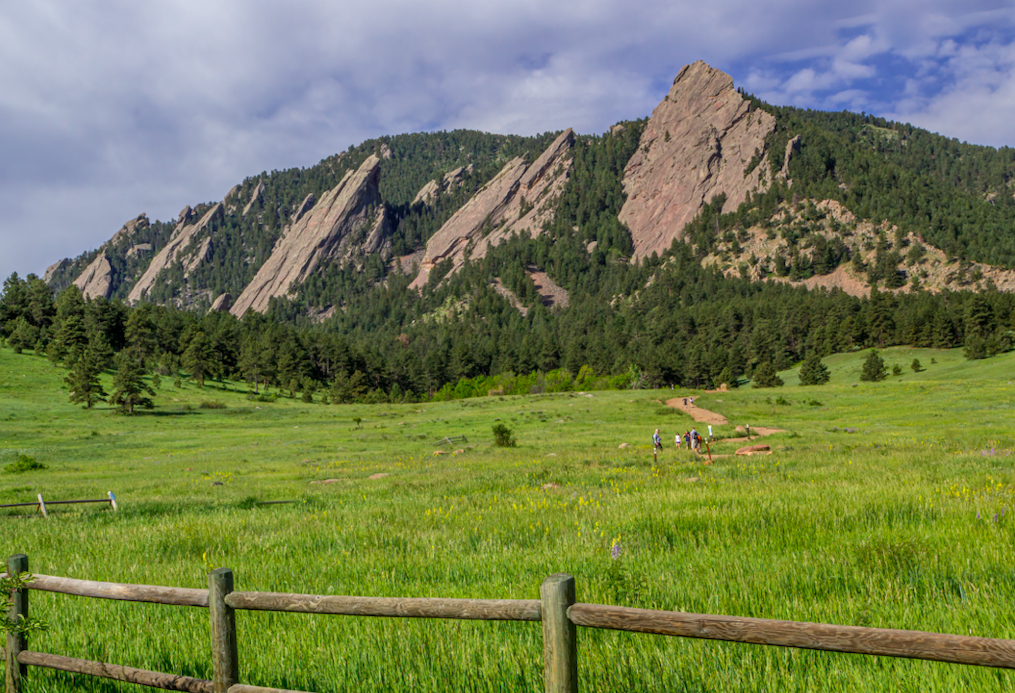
(503, 436)
(23, 463)
(896, 369)
(212, 405)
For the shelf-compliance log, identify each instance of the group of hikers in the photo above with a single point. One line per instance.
(691, 439)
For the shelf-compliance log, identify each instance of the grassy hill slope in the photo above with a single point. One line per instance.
(883, 504)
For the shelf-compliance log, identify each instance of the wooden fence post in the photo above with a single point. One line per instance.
(560, 642)
(225, 660)
(16, 671)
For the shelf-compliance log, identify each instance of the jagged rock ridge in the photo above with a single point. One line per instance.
(183, 247)
(702, 140)
(97, 278)
(346, 223)
(520, 197)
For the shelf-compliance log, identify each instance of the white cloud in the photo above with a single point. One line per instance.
(111, 108)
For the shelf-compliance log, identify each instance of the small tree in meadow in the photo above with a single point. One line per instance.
(765, 376)
(503, 436)
(130, 388)
(916, 366)
(874, 368)
(813, 372)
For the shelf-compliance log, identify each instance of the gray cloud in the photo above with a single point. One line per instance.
(112, 108)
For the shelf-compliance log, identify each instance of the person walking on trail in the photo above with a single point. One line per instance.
(687, 439)
(695, 440)
(657, 442)
(676, 439)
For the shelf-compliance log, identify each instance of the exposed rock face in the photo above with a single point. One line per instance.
(54, 268)
(698, 144)
(97, 279)
(254, 197)
(181, 247)
(304, 207)
(346, 223)
(222, 303)
(519, 198)
(450, 180)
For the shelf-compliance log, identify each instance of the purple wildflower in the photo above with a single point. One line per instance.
(615, 551)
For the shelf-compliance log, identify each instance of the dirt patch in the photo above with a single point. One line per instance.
(551, 293)
(710, 417)
(696, 412)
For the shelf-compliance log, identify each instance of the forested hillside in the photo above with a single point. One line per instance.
(912, 220)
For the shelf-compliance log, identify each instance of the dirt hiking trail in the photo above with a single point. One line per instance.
(710, 417)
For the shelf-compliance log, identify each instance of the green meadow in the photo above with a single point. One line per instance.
(882, 504)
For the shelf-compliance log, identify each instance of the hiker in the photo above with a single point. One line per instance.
(676, 439)
(687, 439)
(685, 401)
(657, 442)
(695, 440)
(692, 401)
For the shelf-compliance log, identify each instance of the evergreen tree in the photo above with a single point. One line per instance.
(22, 335)
(198, 358)
(874, 368)
(765, 376)
(130, 389)
(813, 371)
(83, 381)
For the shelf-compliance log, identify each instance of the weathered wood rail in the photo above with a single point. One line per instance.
(556, 608)
(41, 504)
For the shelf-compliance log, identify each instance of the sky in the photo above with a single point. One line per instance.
(112, 108)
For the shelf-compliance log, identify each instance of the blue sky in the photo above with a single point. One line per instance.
(113, 108)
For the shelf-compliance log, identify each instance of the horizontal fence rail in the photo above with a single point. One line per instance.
(556, 609)
(155, 594)
(394, 607)
(152, 679)
(41, 504)
(910, 644)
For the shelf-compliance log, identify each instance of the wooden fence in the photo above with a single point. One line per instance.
(40, 504)
(556, 608)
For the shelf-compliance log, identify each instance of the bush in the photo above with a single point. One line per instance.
(23, 463)
(896, 369)
(212, 405)
(503, 436)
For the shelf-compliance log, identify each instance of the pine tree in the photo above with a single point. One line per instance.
(198, 358)
(813, 371)
(874, 368)
(83, 381)
(765, 376)
(130, 388)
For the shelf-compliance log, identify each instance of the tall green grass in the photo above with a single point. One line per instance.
(877, 508)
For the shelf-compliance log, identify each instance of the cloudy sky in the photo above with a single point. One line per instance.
(111, 108)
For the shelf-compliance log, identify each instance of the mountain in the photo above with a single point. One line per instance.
(761, 192)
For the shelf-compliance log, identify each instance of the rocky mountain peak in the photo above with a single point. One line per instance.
(702, 140)
(345, 224)
(520, 198)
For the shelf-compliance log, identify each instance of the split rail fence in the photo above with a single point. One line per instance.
(556, 608)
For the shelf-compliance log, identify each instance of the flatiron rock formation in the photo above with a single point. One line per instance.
(346, 223)
(450, 180)
(519, 198)
(701, 141)
(97, 279)
(183, 247)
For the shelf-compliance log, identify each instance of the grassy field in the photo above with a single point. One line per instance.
(885, 504)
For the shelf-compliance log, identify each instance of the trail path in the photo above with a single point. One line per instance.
(710, 417)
